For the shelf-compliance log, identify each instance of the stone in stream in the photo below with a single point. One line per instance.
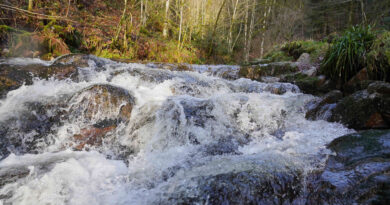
(365, 109)
(21, 134)
(358, 173)
(102, 101)
(12, 78)
(103, 106)
(93, 135)
(309, 84)
(67, 66)
(243, 187)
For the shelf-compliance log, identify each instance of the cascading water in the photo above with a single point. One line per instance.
(135, 134)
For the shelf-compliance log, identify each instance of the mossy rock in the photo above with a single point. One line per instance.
(310, 85)
(256, 72)
(364, 109)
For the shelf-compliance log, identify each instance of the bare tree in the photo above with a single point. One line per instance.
(166, 20)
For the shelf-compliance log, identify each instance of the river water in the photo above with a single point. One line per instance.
(193, 138)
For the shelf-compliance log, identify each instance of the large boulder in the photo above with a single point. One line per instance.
(13, 76)
(101, 108)
(243, 187)
(309, 83)
(102, 101)
(365, 109)
(358, 173)
(22, 133)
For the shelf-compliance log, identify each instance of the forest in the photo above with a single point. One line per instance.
(147, 102)
(191, 31)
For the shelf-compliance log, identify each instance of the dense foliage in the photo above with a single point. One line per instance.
(379, 57)
(348, 54)
(193, 31)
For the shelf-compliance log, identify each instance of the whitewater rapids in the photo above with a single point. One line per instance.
(186, 127)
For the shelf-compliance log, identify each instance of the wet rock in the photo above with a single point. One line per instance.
(244, 187)
(171, 66)
(12, 78)
(99, 102)
(70, 66)
(365, 109)
(103, 107)
(322, 108)
(79, 60)
(379, 87)
(310, 85)
(22, 134)
(226, 145)
(198, 112)
(92, 136)
(358, 173)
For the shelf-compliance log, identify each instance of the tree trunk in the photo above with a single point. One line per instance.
(121, 22)
(165, 29)
(250, 33)
(215, 28)
(181, 23)
(266, 15)
(246, 28)
(363, 12)
(232, 22)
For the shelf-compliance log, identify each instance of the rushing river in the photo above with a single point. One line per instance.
(185, 137)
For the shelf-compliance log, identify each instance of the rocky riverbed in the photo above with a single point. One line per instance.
(82, 130)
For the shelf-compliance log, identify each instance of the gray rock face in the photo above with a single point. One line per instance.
(358, 173)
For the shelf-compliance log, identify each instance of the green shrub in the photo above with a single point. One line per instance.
(293, 50)
(296, 48)
(277, 55)
(379, 58)
(347, 55)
